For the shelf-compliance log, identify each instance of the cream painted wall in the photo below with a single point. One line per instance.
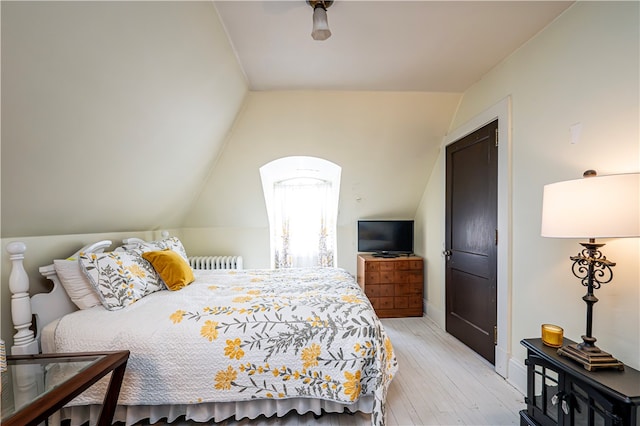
(583, 68)
(250, 243)
(385, 142)
(109, 111)
(253, 244)
(112, 113)
(429, 244)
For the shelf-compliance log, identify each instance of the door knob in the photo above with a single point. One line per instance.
(447, 254)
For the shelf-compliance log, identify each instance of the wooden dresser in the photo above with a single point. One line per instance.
(393, 285)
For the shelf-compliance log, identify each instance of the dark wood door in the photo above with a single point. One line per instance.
(471, 239)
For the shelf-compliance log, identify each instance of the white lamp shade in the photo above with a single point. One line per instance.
(592, 207)
(320, 24)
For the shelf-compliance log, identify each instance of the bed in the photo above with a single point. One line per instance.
(229, 343)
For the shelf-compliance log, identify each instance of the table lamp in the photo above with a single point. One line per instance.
(592, 207)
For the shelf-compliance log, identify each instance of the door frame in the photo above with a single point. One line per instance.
(502, 112)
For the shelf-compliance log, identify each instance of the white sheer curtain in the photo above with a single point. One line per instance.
(304, 219)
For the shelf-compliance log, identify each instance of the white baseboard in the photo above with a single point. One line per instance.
(501, 362)
(434, 313)
(518, 375)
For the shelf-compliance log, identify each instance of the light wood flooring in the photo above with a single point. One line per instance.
(440, 382)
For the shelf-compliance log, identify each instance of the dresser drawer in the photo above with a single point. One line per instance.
(415, 264)
(382, 303)
(408, 289)
(386, 290)
(371, 277)
(371, 266)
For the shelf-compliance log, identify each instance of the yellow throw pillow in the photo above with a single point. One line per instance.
(172, 268)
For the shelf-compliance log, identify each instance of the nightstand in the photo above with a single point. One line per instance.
(561, 392)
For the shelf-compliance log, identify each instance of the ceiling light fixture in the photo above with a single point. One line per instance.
(320, 24)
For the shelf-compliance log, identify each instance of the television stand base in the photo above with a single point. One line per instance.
(386, 255)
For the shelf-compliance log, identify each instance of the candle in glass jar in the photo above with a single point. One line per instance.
(552, 335)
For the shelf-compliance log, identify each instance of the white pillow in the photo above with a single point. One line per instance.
(76, 284)
(120, 277)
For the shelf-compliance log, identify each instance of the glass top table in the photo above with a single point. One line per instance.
(36, 386)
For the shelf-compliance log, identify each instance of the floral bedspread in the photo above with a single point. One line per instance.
(241, 335)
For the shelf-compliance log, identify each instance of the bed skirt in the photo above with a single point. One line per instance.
(131, 415)
(220, 411)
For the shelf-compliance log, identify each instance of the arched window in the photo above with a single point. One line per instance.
(301, 195)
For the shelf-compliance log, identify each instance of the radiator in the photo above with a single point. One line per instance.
(215, 262)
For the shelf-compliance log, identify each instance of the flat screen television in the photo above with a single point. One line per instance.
(385, 237)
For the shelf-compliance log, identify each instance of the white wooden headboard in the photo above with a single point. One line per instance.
(45, 307)
(24, 339)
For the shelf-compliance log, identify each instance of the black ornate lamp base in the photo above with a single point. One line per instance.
(593, 269)
(591, 360)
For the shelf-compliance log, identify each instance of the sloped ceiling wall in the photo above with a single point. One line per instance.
(112, 113)
(385, 142)
(120, 116)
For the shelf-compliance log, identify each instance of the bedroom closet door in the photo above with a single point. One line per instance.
(471, 239)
